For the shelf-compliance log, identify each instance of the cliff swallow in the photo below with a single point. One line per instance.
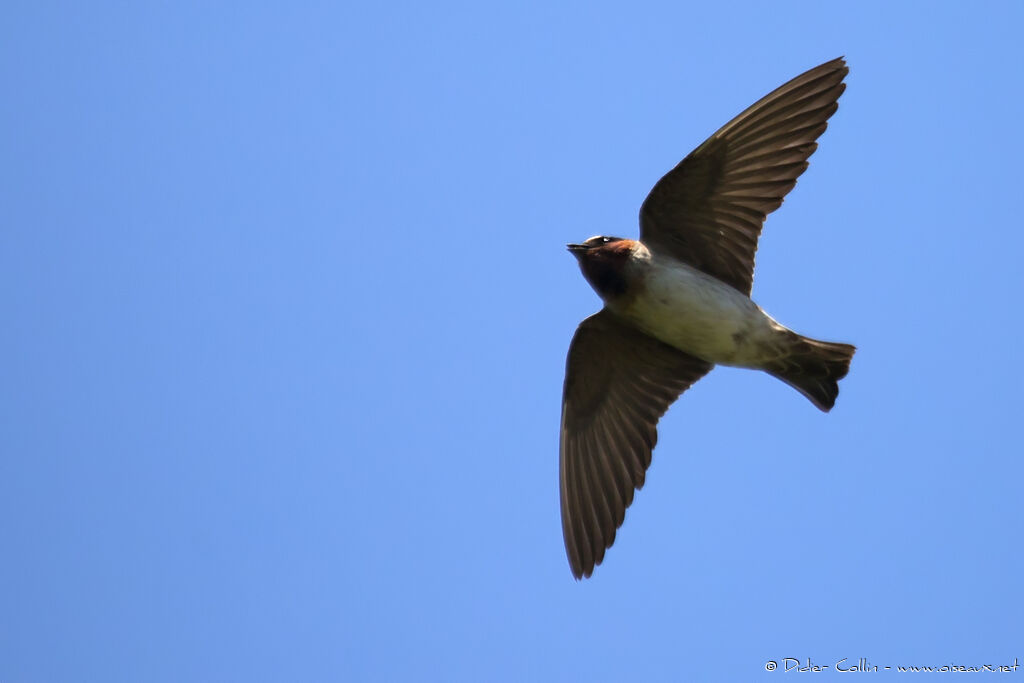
(677, 302)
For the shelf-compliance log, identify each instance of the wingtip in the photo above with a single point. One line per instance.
(836, 64)
(577, 571)
(841, 65)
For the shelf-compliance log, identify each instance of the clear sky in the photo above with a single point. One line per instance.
(286, 303)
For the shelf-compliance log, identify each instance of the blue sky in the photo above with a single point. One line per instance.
(286, 305)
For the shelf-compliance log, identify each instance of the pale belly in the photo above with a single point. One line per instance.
(701, 315)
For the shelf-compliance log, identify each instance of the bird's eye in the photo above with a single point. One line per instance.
(606, 240)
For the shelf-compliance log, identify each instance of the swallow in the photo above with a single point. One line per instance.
(677, 303)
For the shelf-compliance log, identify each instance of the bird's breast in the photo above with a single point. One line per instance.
(696, 313)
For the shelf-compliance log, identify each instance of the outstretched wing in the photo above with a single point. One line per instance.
(709, 209)
(618, 383)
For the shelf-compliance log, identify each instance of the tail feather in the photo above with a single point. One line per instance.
(814, 368)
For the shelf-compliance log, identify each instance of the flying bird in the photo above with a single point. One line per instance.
(677, 302)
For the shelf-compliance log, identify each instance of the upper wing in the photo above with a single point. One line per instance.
(709, 209)
(618, 383)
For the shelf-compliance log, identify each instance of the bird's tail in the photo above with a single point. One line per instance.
(813, 368)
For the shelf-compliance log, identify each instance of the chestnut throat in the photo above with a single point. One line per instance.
(605, 268)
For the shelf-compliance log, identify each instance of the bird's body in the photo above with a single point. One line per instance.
(677, 302)
(693, 311)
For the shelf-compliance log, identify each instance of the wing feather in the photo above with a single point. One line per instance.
(618, 384)
(708, 211)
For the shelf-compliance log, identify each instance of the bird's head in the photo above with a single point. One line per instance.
(603, 261)
(596, 244)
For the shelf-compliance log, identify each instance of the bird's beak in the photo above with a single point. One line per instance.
(576, 249)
